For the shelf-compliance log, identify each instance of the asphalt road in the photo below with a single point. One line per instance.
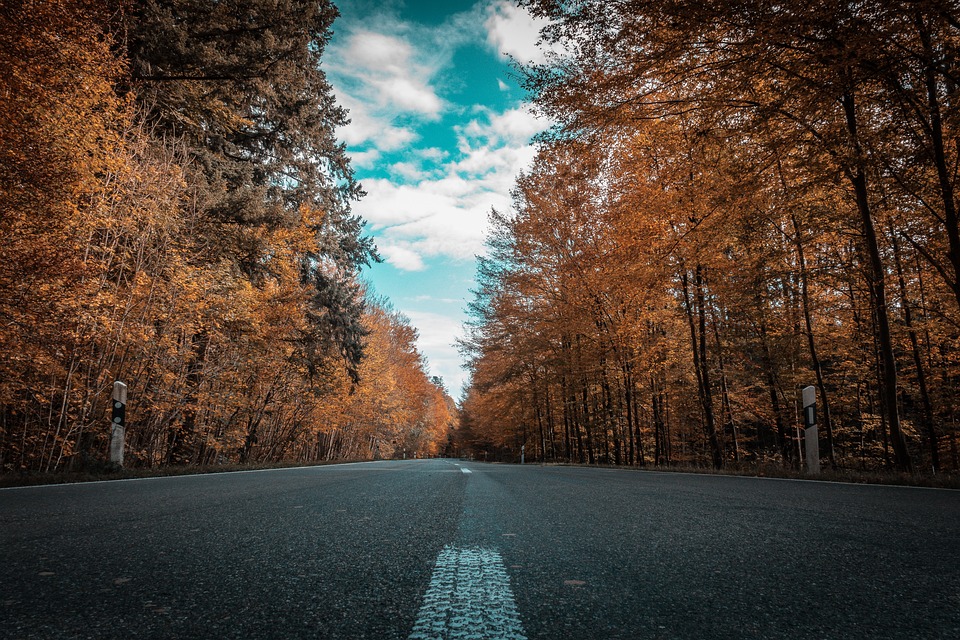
(351, 551)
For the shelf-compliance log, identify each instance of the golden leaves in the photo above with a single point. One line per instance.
(114, 266)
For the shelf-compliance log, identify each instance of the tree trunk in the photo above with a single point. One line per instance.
(725, 407)
(567, 419)
(699, 361)
(540, 429)
(180, 439)
(551, 425)
(632, 437)
(811, 343)
(773, 386)
(875, 284)
(587, 419)
(950, 221)
(612, 420)
(926, 405)
(658, 435)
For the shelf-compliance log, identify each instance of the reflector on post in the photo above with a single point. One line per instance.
(118, 422)
(811, 439)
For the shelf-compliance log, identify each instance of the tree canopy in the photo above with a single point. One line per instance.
(737, 200)
(177, 215)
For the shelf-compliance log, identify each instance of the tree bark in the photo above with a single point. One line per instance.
(725, 407)
(699, 361)
(950, 221)
(875, 284)
(773, 385)
(926, 405)
(180, 438)
(811, 343)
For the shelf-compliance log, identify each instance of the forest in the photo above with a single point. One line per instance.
(737, 199)
(175, 210)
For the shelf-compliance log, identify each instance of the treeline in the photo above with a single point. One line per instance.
(739, 199)
(175, 213)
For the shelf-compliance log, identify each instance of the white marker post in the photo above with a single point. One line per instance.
(811, 440)
(118, 422)
(523, 449)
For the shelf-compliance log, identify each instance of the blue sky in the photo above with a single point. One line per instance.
(439, 132)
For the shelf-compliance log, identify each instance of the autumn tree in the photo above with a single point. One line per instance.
(59, 132)
(178, 209)
(782, 152)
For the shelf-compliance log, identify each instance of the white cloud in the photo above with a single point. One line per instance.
(446, 215)
(365, 159)
(435, 204)
(385, 70)
(512, 31)
(372, 51)
(433, 154)
(402, 258)
(385, 82)
(516, 125)
(407, 94)
(368, 128)
(427, 298)
(438, 334)
(512, 127)
(408, 171)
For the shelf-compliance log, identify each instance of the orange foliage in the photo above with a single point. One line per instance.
(112, 267)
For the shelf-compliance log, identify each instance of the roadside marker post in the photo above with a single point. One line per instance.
(118, 422)
(811, 439)
(523, 448)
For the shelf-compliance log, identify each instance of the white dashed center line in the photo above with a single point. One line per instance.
(469, 597)
(465, 470)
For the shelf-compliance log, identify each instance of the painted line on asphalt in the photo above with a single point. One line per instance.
(465, 470)
(469, 596)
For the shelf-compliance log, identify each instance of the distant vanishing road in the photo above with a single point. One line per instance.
(430, 549)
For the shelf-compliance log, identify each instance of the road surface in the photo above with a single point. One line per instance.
(454, 549)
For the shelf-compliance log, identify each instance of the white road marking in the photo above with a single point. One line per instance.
(465, 470)
(469, 597)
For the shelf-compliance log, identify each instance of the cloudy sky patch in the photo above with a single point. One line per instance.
(438, 136)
